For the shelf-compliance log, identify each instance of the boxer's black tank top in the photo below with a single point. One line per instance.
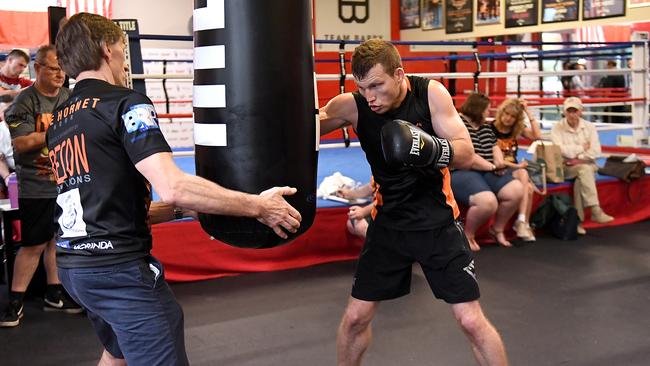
(406, 198)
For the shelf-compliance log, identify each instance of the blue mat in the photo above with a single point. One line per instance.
(351, 162)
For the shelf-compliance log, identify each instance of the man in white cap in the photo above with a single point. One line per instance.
(578, 140)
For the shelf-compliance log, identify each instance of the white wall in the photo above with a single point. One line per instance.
(170, 17)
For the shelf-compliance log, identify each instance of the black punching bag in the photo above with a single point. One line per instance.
(255, 108)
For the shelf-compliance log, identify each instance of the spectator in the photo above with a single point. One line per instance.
(572, 83)
(28, 119)
(567, 85)
(6, 149)
(359, 217)
(580, 147)
(578, 83)
(508, 126)
(6, 153)
(5, 138)
(11, 84)
(488, 188)
(613, 81)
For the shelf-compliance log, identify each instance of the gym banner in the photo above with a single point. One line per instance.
(521, 13)
(431, 14)
(23, 24)
(459, 16)
(354, 20)
(555, 11)
(488, 12)
(598, 9)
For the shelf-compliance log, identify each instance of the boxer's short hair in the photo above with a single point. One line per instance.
(80, 40)
(373, 52)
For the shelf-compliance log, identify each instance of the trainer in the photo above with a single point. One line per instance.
(105, 147)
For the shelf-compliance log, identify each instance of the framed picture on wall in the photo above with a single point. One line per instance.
(488, 12)
(459, 16)
(409, 14)
(598, 9)
(555, 11)
(637, 3)
(431, 14)
(521, 13)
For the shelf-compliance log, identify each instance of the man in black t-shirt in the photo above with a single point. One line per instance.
(416, 212)
(105, 147)
(614, 81)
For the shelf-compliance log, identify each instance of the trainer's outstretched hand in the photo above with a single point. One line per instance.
(276, 213)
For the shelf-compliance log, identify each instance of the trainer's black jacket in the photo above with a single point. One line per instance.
(407, 198)
(95, 140)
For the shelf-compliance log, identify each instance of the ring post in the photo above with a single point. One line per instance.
(478, 71)
(346, 133)
(639, 88)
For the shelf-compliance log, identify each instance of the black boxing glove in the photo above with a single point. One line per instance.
(405, 144)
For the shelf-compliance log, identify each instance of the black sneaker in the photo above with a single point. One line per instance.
(61, 302)
(10, 317)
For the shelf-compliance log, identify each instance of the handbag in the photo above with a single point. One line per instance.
(552, 156)
(615, 167)
(537, 175)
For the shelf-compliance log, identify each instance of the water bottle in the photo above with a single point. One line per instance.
(12, 188)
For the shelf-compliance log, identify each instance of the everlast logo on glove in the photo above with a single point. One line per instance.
(415, 144)
(445, 154)
(404, 144)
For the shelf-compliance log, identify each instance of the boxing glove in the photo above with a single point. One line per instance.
(402, 143)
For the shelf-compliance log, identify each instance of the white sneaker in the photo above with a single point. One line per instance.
(523, 231)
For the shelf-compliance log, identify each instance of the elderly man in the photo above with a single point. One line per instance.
(580, 146)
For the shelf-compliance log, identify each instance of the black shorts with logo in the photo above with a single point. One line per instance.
(384, 269)
(37, 225)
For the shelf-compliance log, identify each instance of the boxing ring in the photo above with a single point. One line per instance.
(189, 254)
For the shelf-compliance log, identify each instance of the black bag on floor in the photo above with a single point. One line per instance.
(557, 214)
(565, 227)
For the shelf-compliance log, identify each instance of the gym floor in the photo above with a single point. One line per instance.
(581, 302)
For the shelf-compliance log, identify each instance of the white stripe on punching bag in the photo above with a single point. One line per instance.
(211, 17)
(207, 134)
(210, 57)
(209, 96)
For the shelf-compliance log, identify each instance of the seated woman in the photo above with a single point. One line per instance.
(508, 125)
(359, 217)
(488, 188)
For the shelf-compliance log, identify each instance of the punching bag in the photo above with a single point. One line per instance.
(255, 115)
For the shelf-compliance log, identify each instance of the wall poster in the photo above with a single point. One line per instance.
(555, 11)
(598, 9)
(409, 14)
(458, 16)
(431, 14)
(488, 12)
(521, 13)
